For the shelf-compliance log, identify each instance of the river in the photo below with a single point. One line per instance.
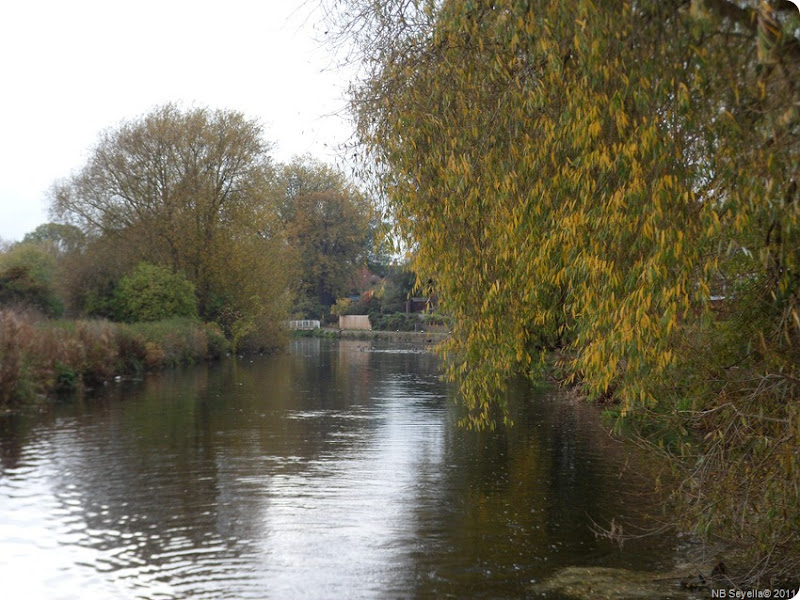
(334, 470)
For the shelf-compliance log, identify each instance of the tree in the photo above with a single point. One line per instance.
(306, 175)
(27, 278)
(152, 293)
(398, 288)
(326, 222)
(191, 190)
(576, 176)
(62, 238)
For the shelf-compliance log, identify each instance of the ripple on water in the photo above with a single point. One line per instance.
(195, 488)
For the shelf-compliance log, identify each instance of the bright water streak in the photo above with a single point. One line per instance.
(334, 471)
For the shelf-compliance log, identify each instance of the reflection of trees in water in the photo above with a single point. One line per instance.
(520, 501)
(194, 468)
(141, 472)
(13, 432)
(180, 466)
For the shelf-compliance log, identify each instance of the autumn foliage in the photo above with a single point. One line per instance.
(190, 191)
(613, 184)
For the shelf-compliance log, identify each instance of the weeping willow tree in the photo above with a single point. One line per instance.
(613, 184)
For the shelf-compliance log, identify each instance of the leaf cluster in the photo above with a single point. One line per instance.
(613, 184)
(153, 293)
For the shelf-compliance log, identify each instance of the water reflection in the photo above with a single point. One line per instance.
(334, 470)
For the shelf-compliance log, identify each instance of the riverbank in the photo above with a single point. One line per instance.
(41, 357)
(417, 337)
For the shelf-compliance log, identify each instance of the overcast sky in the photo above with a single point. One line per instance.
(71, 68)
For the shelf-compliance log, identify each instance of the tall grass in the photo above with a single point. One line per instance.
(41, 356)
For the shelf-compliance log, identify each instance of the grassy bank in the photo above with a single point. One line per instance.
(39, 357)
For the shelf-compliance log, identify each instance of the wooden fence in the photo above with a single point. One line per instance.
(360, 322)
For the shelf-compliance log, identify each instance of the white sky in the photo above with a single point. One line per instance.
(71, 68)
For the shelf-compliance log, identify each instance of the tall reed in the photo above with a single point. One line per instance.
(41, 356)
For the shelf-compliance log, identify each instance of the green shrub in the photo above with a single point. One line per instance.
(394, 322)
(26, 279)
(436, 320)
(341, 307)
(66, 379)
(216, 343)
(151, 293)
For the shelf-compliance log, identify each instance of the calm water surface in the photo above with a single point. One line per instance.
(335, 470)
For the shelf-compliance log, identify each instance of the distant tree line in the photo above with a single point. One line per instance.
(183, 212)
